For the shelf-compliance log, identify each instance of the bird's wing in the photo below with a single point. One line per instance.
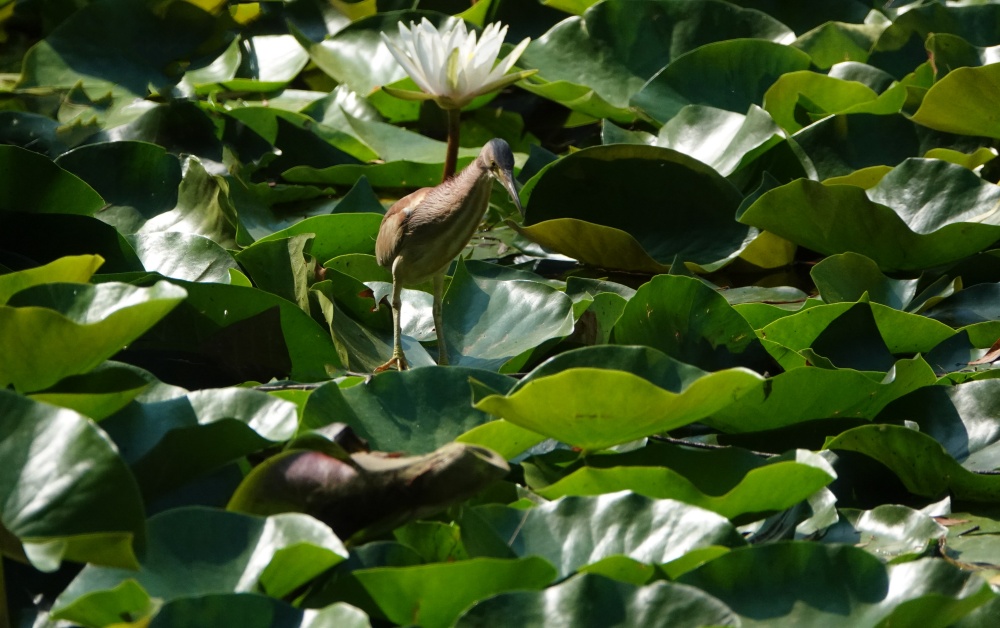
(393, 227)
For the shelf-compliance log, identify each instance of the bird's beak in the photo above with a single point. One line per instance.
(506, 178)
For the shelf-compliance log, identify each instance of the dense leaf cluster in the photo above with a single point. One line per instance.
(733, 367)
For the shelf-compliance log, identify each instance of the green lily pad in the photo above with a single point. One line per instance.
(435, 595)
(725, 140)
(769, 488)
(52, 189)
(415, 411)
(570, 207)
(960, 102)
(891, 531)
(253, 610)
(836, 42)
(959, 417)
(790, 398)
(202, 208)
(798, 98)
(57, 330)
(591, 529)
(204, 340)
(730, 75)
(335, 234)
(73, 269)
(791, 584)
(615, 47)
(169, 442)
(841, 144)
(139, 48)
(690, 322)
(276, 554)
(99, 393)
(183, 256)
(36, 239)
(594, 408)
(138, 180)
(938, 472)
(900, 48)
(280, 266)
(69, 495)
(839, 218)
(592, 601)
(488, 322)
(849, 276)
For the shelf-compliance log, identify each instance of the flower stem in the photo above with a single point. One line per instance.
(454, 129)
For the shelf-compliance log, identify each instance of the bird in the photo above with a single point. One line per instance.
(424, 231)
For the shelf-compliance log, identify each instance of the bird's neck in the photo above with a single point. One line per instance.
(472, 175)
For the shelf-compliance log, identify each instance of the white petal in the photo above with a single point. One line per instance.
(514, 55)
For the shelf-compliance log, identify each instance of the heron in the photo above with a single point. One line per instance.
(424, 231)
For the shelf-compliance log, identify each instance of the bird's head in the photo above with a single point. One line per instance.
(498, 159)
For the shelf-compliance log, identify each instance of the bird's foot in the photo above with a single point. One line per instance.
(397, 360)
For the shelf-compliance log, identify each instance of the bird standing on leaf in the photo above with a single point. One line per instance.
(423, 232)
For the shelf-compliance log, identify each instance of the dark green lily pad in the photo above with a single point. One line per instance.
(729, 75)
(793, 583)
(938, 472)
(668, 204)
(690, 322)
(51, 189)
(594, 601)
(415, 411)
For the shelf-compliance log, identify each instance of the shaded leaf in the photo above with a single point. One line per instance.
(793, 583)
(938, 472)
(730, 75)
(589, 600)
(172, 441)
(52, 189)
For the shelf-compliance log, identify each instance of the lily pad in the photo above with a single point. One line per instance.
(593, 601)
(730, 75)
(587, 204)
(275, 554)
(651, 531)
(69, 495)
(67, 329)
(868, 592)
(595, 408)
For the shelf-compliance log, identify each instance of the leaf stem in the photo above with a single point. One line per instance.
(454, 130)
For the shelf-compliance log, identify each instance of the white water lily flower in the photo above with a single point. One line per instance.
(450, 66)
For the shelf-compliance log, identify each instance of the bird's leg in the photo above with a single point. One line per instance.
(438, 323)
(398, 359)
